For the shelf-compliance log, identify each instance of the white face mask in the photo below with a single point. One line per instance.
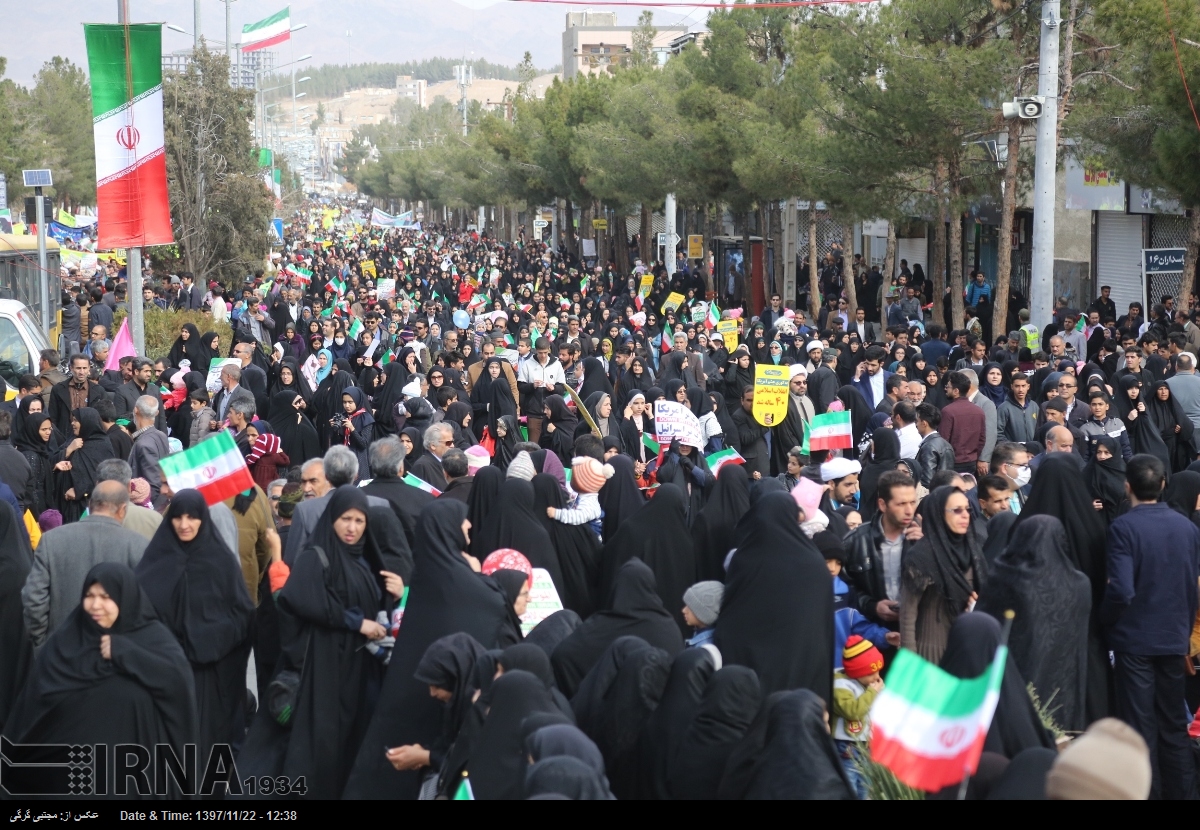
(1023, 476)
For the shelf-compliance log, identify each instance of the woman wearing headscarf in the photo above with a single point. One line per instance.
(507, 436)
(659, 536)
(390, 393)
(36, 443)
(189, 335)
(636, 611)
(1104, 475)
(336, 590)
(777, 612)
(447, 666)
(460, 419)
(578, 552)
(515, 587)
(196, 585)
(498, 761)
(664, 730)
(77, 462)
(512, 523)
(599, 406)
(941, 575)
(358, 426)
(111, 674)
(286, 377)
(491, 398)
(799, 761)
(620, 497)
(1174, 427)
(970, 649)
(637, 378)
(566, 777)
(1183, 494)
(637, 422)
(327, 402)
(297, 437)
(885, 454)
(207, 348)
(1130, 405)
(181, 419)
(1035, 579)
(594, 379)
(739, 373)
(725, 712)
(558, 429)
(686, 468)
(446, 596)
(712, 531)
(674, 366)
(1056, 492)
(16, 559)
(992, 383)
(292, 343)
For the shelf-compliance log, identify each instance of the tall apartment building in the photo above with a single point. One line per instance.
(593, 42)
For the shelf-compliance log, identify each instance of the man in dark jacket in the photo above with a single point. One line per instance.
(437, 439)
(751, 439)
(139, 384)
(823, 384)
(77, 390)
(874, 550)
(190, 297)
(387, 471)
(1149, 608)
(149, 447)
(935, 452)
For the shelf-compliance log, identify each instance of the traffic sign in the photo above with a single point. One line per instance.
(695, 246)
(540, 223)
(600, 224)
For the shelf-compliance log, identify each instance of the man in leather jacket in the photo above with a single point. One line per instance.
(874, 551)
(935, 452)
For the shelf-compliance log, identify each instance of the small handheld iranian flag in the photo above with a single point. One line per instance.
(830, 431)
(667, 338)
(719, 459)
(127, 126)
(928, 726)
(464, 791)
(421, 484)
(214, 467)
(270, 31)
(338, 285)
(713, 316)
(302, 275)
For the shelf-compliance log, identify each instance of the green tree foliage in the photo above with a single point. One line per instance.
(219, 204)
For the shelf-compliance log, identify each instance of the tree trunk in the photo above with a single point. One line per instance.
(848, 270)
(1004, 256)
(776, 215)
(814, 281)
(937, 268)
(889, 270)
(1190, 258)
(956, 249)
(764, 230)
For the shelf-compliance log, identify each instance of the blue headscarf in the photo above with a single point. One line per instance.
(323, 373)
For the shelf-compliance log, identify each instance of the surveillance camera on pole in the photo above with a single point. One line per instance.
(1028, 108)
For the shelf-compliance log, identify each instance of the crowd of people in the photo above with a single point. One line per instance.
(432, 418)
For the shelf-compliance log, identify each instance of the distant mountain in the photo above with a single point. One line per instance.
(382, 30)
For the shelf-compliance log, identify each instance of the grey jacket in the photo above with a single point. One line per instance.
(1014, 423)
(989, 415)
(62, 561)
(149, 447)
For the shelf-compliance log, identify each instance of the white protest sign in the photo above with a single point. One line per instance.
(213, 381)
(543, 601)
(385, 289)
(674, 420)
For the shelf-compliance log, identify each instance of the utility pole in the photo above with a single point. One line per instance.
(463, 73)
(672, 238)
(40, 217)
(235, 70)
(133, 256)
(196, 24)
(1041, 285)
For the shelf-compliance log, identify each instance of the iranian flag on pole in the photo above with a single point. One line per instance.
(928, 726)
(214, 467)
(830, 431)
(719, 459)
(125, 63)
(421, 484)
(271, 31)
(713, 316)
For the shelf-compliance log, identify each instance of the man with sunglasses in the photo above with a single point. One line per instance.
(1077, 412)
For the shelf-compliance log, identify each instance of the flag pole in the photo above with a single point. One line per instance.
(133, 256)
(1004, 632)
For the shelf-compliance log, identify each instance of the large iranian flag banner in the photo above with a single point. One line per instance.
(125, 63)
(270, 31)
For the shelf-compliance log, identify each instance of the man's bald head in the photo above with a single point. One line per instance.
(109, 498)
(1060, 439)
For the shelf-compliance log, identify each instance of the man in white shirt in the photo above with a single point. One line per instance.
(904, 419)
(536, 378)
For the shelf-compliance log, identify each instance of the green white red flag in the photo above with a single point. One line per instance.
(830, 431)
(928, 726)
(125, 63)
(722, 457)
(215, 467)
(421, 484)
(712, 316)
(270, 31)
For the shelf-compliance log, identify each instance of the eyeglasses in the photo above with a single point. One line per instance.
(448, 443)
(1066, 386)
(958, 511)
